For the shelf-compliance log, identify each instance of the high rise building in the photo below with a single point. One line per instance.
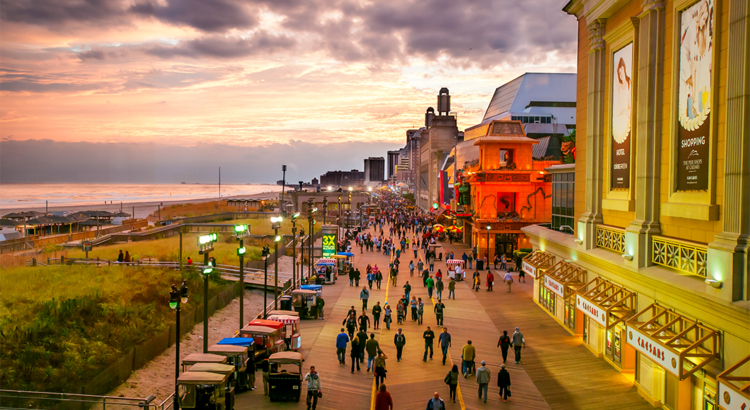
(392, 163)
(374, 169)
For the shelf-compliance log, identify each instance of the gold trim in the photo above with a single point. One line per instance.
(686, 257)
(611, 238)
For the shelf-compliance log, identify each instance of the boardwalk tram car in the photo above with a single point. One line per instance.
(292, 337)
(285, 379)
(202, 390)
(304, 302)
(267, 335)
(327, 270)
(226, 370)
(237, 351)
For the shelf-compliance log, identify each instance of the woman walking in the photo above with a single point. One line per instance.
(452, 380)
(387, 317)
(380, 369)
(503, 382)
(355, 352)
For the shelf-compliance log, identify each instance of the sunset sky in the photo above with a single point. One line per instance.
(256, 74)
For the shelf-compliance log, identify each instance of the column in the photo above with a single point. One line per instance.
(594, 135)
(648, 109)
(729, 253)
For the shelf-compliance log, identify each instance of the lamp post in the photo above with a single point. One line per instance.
(265, 281)
(175, 298)
(488, 245)
(205, 246)
(310, 212)
(276, 224)
(283, 185)
(294, 249)
(325, 209)
(302, 254)
(241, 231)
(338, 222)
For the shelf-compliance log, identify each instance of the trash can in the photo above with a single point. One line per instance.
(286, 303)
(480, 264)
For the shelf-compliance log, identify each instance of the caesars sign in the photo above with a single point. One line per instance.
(622, 74)
(694, 96)
(329, 245)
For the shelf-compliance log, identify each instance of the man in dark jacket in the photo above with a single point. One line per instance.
(503, 382)
(399, 340)
(362, 336)
(439, 309)
(429, 337)
(351, 325)
(504, 344)
(376, 310)
(445, 343)
(436, 403)
(364, 321)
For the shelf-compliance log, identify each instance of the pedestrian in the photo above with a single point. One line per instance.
(452, 289)
(251, 369)
(372, 347)
(420, 311)
(394, 274)
(504, 263)
(407, 289)
(378, 278)
(351, 276)
(468, 353)
(265, 369)
(370, 279)
(508, 278)
(356, 277)
(126, 258)
(495, 262)
(490, 281)
(445, 343)
(469, 260)
(380, 369)
(503, 382)
(477, 282)
(341, 340)
(399, 339)
(313, 388)
(429, 337)
(521, 276)
(363, 320)
(376, 310)
(430, 286)
(387, 316)
(364, 294)
(120, 257)
(483, 380)
(411, 267)
(474, 279)
(351, 324)
(354, 352)
(420, 266)
(518, 343)
(362, 335)
(452, 380)
(383, 400)
(425, 275)
(439, 309)
(413, 306)
(320, 303)
(439, 286)
(436, 403)
(504, 343)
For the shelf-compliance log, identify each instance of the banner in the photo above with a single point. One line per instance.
(329, 245)
(694, 96)
(622, 92)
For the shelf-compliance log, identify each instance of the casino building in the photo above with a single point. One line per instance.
(654, 279)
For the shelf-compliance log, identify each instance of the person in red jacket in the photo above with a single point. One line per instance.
(490, 281)
(383, 400)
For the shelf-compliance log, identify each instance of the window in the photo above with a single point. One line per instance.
(570, 314)
(547, 299)
(563, 192)
(506, 157)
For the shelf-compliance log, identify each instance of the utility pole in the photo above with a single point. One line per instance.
(205, 246)
(294, 250)
(325, 208)
(302, 254)
(283, 185)
(265, 281)
(276, 224)
(241, 231)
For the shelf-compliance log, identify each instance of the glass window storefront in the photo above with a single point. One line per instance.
(613, 348)
(563, 189)
(570, 314)
(547, 299)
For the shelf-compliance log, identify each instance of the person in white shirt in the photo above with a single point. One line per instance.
(508, 279)
(313, 387)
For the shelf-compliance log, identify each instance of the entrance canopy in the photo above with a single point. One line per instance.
(734, 386)
(564, 278)
(680, 345)
(537, 260)
(605, 302)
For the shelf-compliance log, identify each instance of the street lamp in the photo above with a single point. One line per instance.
(294, 249)
(265, 254)
(488, 245)
(325, 208)
(175, 299)
(302, 254)
(276, 224)
(240, 232)
(205, 246)
(338, 222)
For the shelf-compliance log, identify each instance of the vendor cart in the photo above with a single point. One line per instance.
(237, 355)
(304, 301)
(285, 379)
(327, 270)
(455, 269)
(202, 391)
(293, 338)
(224, 370)
(287, 312)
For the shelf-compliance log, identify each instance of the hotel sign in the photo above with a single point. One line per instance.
(329, 245)
(654, 351)
(731, 400)
(591, 310)
(554, 286)
(529, 269)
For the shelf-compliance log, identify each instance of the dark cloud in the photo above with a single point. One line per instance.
(91, 55)
(38, 161)
(33, 86)
(222, 47)
(56, 12)
(205, 15)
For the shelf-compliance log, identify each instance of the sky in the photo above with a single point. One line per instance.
(172, 85)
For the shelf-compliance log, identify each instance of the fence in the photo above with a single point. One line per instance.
(686, 257)
(611, 238)
(32, 242)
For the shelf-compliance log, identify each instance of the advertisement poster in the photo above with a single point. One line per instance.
(694, 96)
(329, 245)
(622, 91)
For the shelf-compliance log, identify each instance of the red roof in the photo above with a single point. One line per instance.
(268, 323)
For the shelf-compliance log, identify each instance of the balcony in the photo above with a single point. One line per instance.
(611, 238)
(686, 257)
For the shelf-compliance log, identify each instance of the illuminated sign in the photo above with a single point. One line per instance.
(329, 245)
(529, 269)
(591, 310)
(654, 351)
(554, 286)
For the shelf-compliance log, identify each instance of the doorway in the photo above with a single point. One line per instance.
(506, 243)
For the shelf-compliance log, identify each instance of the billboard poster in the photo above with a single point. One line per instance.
(329, 245)
(622, 92)
(694, 96)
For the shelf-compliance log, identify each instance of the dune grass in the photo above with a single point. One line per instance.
(62, 325)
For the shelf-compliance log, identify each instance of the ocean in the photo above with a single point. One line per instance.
(15, 197)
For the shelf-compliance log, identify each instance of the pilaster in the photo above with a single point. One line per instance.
(729, 253)
(594, 135)
(649, 101)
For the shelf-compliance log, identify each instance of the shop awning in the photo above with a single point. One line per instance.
(564, 278)
(680, 345)
(537, 260)
(734, 388)
(605, 302)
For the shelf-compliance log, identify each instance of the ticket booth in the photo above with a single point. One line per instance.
(734, 387)
(557, 293)
(674, 354)
(534, 265)
(606, 307)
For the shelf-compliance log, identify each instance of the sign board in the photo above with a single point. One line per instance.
(554, 286)
(654, 351)
(529, 269)
(731, 400)
(329, 245)
(87, 246)
(591, 310)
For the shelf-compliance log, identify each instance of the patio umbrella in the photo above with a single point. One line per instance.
(438, 228)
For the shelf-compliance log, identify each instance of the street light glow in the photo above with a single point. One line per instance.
(296, 215)
(276, 219)
(240, 228)
(278, 238)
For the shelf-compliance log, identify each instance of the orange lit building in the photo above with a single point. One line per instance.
(508, 188)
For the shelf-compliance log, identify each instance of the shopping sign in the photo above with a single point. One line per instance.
(591, 310)
(654, 351)
(329, 245)
(554, 286)
(731, 400)
(529, 269)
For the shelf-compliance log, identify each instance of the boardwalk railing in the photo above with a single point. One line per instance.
(47, 400)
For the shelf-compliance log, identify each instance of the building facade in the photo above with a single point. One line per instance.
(342, 178)
(655, 279)
(393, 162)
(374, 169)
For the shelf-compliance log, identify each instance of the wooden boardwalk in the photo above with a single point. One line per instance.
(557, 372)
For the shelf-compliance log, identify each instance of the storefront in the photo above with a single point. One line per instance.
(534, 265)
(606, 307)
(557, 294)
(675, 358)
(734, 387)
